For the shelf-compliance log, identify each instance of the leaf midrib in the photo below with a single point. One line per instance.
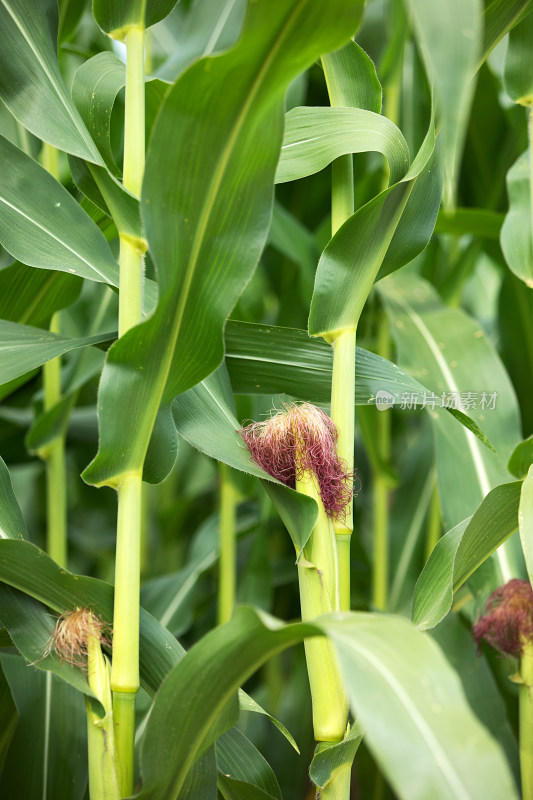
(205, 215)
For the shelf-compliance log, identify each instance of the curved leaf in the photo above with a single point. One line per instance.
(238, 762)
(43, 226)
(25, 567)
(31, 84)
(351, 78)
(333, 759)
(516, 238)
(353, 258)
(219, 215)
(314, 137)
(449, 36)
(521, 458)
(22, 348)
(462, 550)
(408, 699)
(268, 359)
(452, 356)
(116, 16)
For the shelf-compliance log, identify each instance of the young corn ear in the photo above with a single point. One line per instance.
(78, 638)
(297, 446)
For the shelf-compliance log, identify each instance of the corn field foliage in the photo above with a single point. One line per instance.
(214, 212)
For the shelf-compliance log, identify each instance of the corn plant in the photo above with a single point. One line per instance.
(265, 278)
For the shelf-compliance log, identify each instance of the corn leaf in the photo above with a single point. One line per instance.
(31, 84)
(206, 228)
(462, 550)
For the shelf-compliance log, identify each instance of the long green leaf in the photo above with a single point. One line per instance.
(31, 84)
(28, 569)
(351, 78)
(23, 348)
(408, 717)
(50, 714)
(449, 36)
(220, 235)
(239, 763)
(267, 359)
(461, 551)
(43, 226)
(458, 364)
(314, 137)
(353, 258)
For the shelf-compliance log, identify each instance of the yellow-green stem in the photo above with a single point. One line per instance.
(380, 495)
(133, 167)
(319, 594)
(434, 522)
(125, 670)
(343, 379)
(56, 473)
(526, 721)
(130, 295)
(342, 414)
(227, 566)
(54, 453)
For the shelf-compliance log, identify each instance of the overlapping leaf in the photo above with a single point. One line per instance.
(449, 36)
(23, 348)
(372, 240)
(43, 226)
(405, 695)
(450, 354)
(31, 84)
(314, 137)
(206, 227)
(462, 550)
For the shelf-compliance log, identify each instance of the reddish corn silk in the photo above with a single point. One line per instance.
(508, 620)
(302, 438)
